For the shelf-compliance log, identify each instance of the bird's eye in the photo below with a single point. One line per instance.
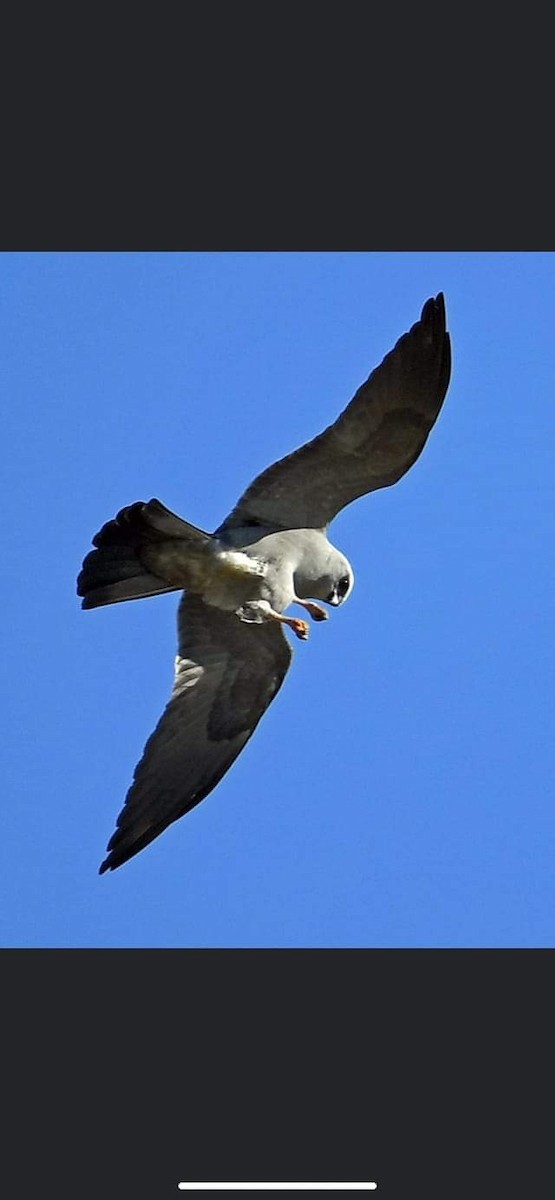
(343, 586)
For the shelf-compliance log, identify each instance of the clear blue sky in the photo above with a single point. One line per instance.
(399, 791)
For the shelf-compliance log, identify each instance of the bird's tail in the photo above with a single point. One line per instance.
(116, 569)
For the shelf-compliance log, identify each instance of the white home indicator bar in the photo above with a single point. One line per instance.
(278, 1187)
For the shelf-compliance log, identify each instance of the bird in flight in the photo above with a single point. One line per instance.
(272, 551)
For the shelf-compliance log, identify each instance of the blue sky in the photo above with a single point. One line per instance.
(399, 791)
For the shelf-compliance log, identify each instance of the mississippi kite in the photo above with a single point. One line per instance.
(270, 552)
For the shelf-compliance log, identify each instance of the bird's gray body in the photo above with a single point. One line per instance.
(270, 553)
(289, 565)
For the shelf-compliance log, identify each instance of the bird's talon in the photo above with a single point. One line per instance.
(301, 629)
(315, 610)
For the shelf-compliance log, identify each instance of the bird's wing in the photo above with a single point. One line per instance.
(227, 673)
(371, 444)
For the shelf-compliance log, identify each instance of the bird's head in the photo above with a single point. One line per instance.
(341, 587)
(332, 582)
(341, 580)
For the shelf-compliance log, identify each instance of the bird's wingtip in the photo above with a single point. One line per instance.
(433, 312)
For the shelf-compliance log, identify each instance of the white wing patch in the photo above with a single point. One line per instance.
(235, 562)
(187, 674)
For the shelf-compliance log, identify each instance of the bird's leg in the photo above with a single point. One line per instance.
(316, 611)
(260, 610)
(300, 628)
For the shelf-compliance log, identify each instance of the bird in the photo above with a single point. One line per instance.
(272, 551)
